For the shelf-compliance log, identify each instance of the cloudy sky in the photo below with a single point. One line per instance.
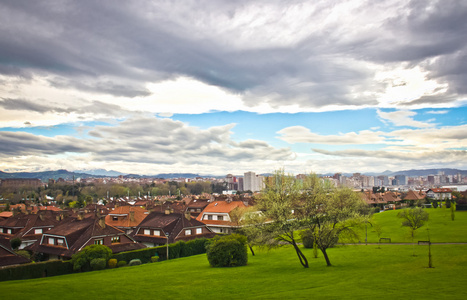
(217, 87)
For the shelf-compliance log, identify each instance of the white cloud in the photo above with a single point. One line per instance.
(402, 118)
(300, 134)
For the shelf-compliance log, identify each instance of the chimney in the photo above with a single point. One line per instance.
(187, 215)
(167, 211)
(132, 216)
(102, 222)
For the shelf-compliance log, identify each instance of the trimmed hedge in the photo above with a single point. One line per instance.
(58, 267)
(176, 250)
(36, 270)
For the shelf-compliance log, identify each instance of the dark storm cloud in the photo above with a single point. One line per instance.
(19, 143)
(117, 47)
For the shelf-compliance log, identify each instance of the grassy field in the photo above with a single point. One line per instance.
(441, 228)
(358, 272)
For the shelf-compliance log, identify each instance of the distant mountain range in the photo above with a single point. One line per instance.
(99, 173)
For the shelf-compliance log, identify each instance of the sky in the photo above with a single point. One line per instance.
(218, 87)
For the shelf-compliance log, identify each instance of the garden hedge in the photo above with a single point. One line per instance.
(36, 270)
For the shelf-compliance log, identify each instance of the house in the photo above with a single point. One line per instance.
(414, 197)
(73, 234)
(196, 206)
(8, 257)
(126, 218)
(159, 228)
(216, 215)
(28, 227)
(439, 194)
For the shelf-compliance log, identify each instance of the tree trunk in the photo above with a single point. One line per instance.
(300, 255)
(328, 262)
(251, 249)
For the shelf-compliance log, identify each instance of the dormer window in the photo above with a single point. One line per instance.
(114, 218)
(115, 239)
(38, 231)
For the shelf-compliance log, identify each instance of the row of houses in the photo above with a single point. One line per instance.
(51, 234)
(391, 200)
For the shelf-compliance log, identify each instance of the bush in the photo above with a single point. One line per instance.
(98, 264)
(307, 238)
(121, 263)
(134, 262)
(435, 204)
(81, 260)
(112, 263)
(15, 243)
(23, 253)
(155, 259)
(228, 251)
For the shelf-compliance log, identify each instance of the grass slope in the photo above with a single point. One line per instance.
(441, 228)
(359, 272)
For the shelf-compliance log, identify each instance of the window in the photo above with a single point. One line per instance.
(60, 242)
(188, 232)
(98, 242)
(220, 218)
(209, 217)
(157, 232)
(147, 232)
(38, 231)
(8, 231)
(115, 239)
(51, 241)
(198, 210)
(199, 230)
(114, 218)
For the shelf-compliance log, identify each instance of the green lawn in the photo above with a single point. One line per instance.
(358, 272)
(441, 228)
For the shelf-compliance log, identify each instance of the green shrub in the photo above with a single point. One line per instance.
(98, 264)
(134, 262)
(121, 263)
(435, 204)
(112, 263)
(228, 251)
(307, 238)
(155, 259)
(15, 243)
(23, 253)
(81, 260)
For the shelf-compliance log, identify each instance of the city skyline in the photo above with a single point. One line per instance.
(228, 87)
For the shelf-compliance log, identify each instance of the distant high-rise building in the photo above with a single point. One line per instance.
(249, 179)
(252, 182)
(401, 179)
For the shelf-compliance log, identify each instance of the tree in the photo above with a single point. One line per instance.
(278, 203)
(413, 218)
(82, 259)
(333, 212)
